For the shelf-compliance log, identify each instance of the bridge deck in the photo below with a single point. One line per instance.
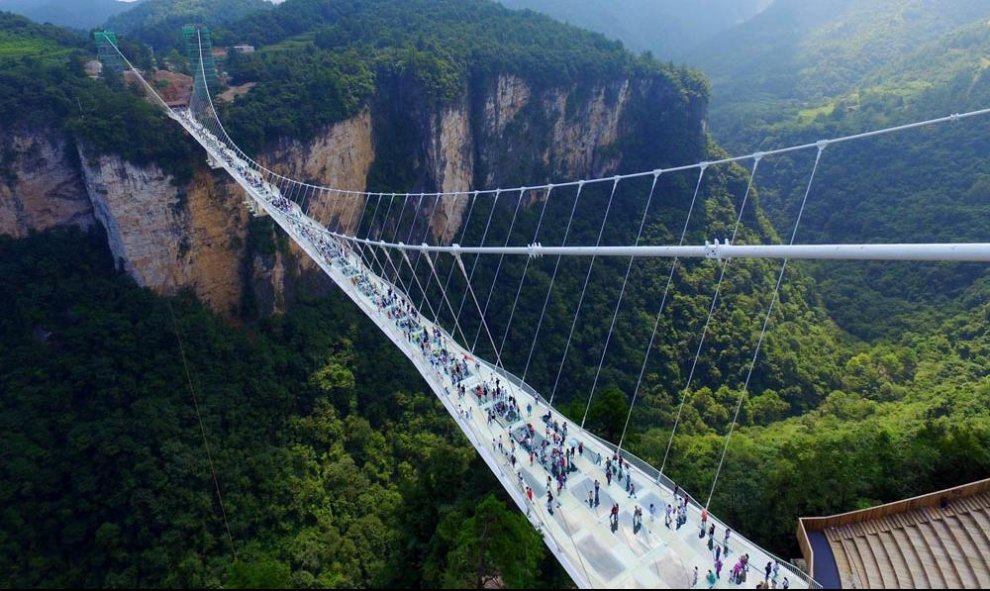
(593, 551)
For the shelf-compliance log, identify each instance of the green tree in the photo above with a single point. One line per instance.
(495, 547)
(607, 413)
(263, 572)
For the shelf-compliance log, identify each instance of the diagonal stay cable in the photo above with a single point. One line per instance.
(584, 290)
(426, 232)
(663, 302)
(522, 280)
(474, 264)
(763, 330)
(553, 278)
(440, 240)
(711, 312)
(501, 259)
(622, 292)
(464, 227)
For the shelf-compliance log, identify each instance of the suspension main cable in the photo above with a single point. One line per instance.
(693, 166)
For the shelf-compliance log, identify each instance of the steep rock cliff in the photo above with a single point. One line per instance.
(168, 237)
(40, 185)
(501, 130)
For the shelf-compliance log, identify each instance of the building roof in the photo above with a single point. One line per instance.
(936, 540)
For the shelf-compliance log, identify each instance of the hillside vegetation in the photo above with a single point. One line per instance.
(801, 53)
(336, 470)
(929, 185)
(343, 51)
(159, 23)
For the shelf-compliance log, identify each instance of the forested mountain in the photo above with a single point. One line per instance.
(670, 29)
(77, 14)
(438, 52)
(870, 387)
(867, 66)
(802, 53)
(42, 66)
(158, 22)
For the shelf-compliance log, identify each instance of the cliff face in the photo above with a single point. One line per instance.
(500, 131)
(40, 185)
(168, 237)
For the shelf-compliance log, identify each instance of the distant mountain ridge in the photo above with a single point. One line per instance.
(158, 23)
(805, 52)
(814, 69)
(670, 29)
(77, 14)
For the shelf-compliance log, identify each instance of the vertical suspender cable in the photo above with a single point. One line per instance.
(453, 263)
(398, 224)
(498, 269)
(446, 226)
(663, 301)
(474, 265)
(584, 289)
(515, 302)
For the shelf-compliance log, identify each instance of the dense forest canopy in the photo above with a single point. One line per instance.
(336, 470)
(43, 85)
(801, 53)
(158, 23)
(888, 63)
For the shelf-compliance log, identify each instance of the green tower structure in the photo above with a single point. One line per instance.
(194, 35)
(113, 64)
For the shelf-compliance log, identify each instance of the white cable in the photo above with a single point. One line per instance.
(763, 330)
(708, 320)
(498, 268)
(553, 278)
(622, 292)
(756, 155)
(474, 265)
(584, 290)
(663, 302)
(522, 280)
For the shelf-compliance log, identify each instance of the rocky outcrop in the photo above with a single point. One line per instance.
(169, 237)
(450, 161)
(339, 157)
(40, 185)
